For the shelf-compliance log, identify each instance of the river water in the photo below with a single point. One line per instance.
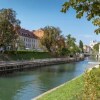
(29, 84)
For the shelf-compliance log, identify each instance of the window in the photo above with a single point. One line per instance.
(24, 39)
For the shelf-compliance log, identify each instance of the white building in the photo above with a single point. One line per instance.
(27, 40)
(87, 49)
(92, 43)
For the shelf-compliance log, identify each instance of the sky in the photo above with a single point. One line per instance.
(35, 14)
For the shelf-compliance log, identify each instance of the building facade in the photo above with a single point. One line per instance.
(92, 43)
(39, 33)
(27, 40)
(87, 49)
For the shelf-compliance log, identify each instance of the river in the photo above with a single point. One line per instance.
(29, 84)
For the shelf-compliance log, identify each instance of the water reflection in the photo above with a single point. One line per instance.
(27, 85)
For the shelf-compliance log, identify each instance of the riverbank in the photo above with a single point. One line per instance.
(66, 91)
(22, 65)
(76, 88)
(34, 82)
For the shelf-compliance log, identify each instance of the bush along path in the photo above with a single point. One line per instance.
(23, 55)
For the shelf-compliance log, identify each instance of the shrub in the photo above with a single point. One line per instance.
(91, 90)
(24, 55)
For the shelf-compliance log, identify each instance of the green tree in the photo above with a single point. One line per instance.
(60, 43)
(90, 8)
(71, 46)
(9, 27)
(81, 45)
(50, 38)
(64, 52)
(96, 47)
(70, 41)
(21, 44)
(91, 90)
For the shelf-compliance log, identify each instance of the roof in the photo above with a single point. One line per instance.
(26, 33)
(38, 33)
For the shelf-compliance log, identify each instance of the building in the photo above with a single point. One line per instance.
(39, 33)
(27, 40)
(87, 49)
(92, 43)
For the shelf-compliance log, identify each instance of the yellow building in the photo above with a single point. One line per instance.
(39, 33)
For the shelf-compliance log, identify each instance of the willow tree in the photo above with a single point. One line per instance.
(9, 27)
(90, 8)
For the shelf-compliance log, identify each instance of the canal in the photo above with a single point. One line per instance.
(29, 84)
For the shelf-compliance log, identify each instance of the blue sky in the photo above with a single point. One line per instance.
(35, 14)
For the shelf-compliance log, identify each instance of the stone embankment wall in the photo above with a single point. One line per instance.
(21, 65)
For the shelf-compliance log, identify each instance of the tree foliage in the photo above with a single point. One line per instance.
(71, 45)
(57, 44)
(9, 27)
(64, 52)
(70, 41)
(90, 8)
(52, 39)
(21, 44)
(96, 47)
(81, 45)
(91, 89)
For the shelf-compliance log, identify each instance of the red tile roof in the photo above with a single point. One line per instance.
(26, 33)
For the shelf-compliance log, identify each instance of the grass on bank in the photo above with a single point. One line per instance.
(85, 87)
(24, 55)
(69, 91)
